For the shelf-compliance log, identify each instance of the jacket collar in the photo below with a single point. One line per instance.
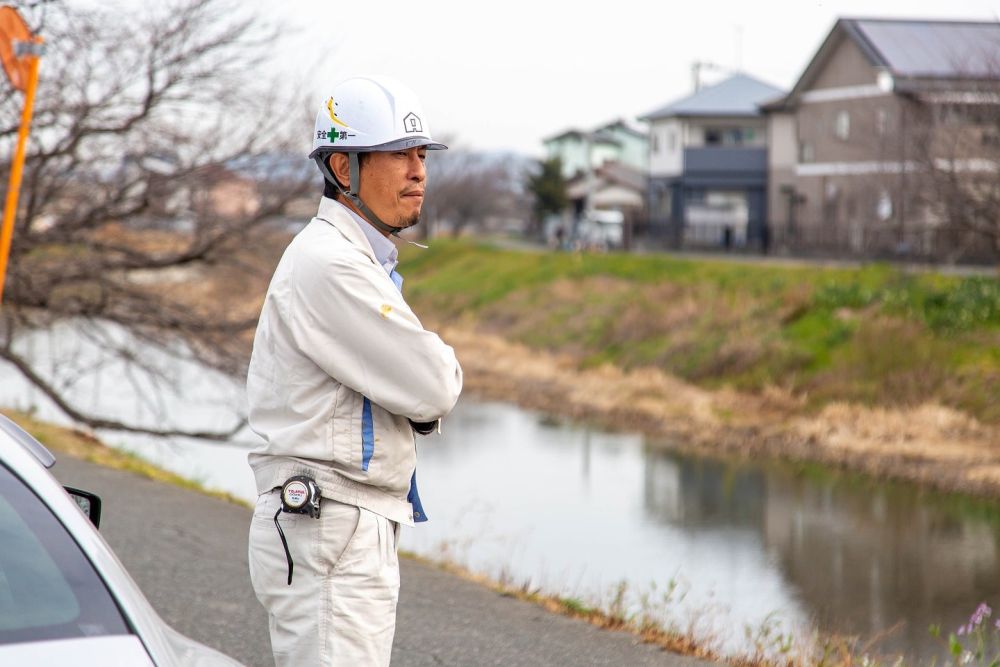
(337, 216)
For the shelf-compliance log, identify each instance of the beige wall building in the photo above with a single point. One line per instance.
(863, 147)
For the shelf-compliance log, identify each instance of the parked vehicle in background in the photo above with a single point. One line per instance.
(65, 599)
(601, 230)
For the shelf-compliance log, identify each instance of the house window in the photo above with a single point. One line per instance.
(842, 125)
(713, 137)
(950, 114)
(733, 137)
(656, 143)
(883, 207)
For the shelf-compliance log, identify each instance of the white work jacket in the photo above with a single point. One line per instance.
(339, 365)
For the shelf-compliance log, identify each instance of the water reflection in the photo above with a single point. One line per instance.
(699, 492)
(864, 558)
(575, 511)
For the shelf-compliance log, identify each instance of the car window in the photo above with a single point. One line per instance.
(48, 588)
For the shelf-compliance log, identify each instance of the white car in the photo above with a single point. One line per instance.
(602, 229)
(65, 599)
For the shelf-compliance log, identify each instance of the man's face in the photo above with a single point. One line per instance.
(392, 185)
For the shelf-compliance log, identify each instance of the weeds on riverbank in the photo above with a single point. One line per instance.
(875, 335)
(610, 614)
(653, 615)
(708, 634)
(977, 642)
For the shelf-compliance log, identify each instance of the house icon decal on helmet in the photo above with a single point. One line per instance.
(411, 123)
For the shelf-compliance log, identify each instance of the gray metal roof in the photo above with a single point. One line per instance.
(572, 132)
(950, 49)
(624, 125)
(604, 137)
(738, 95)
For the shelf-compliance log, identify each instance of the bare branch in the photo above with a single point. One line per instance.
(158, 158)
(56, 396)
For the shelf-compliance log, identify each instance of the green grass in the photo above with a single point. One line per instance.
(577, 606)
(874, 334)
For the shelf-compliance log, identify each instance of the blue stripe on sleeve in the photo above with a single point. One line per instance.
(367, 435)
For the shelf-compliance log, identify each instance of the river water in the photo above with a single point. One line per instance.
(709, 546)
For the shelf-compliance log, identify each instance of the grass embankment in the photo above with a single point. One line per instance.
(890, 372)
(875, 335)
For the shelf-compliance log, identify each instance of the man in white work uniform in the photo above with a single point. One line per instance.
(342, 376)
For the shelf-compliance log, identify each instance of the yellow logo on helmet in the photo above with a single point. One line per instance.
(333, 114)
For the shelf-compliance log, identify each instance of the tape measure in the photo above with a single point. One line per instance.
(300, 495)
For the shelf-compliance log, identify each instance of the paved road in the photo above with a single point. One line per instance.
(187, 552)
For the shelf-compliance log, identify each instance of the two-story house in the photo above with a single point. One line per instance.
(708, 165)
(605, 171)
(884, 141)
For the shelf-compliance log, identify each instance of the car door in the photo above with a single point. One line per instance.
(54, 607)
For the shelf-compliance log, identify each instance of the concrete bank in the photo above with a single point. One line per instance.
(187, 551)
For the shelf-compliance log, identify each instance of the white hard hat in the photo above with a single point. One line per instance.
(366, 114)
(371, 113)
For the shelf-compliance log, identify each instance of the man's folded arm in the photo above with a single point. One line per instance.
(356, 326)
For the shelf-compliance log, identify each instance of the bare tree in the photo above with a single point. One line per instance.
(468, 189)
(960, 136)
(152, 130)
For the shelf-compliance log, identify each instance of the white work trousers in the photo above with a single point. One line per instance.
(341, 606)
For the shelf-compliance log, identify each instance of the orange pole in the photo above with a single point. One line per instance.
(16, 167)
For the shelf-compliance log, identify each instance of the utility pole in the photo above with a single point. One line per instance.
(698, 65)
(588, 175)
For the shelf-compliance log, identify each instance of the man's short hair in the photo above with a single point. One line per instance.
(329, 190)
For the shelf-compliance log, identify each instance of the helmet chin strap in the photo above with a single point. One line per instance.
(352, 194)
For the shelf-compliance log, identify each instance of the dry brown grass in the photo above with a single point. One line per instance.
(927, 443)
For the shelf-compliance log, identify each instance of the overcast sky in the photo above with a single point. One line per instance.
(504, 75)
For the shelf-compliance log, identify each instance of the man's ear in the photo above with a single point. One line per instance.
(340, 167)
